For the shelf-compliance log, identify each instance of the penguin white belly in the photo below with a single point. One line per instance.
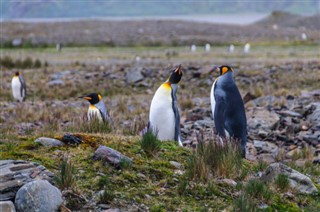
(93, 113)
(212, 100)
(162, 117)
(16, 89)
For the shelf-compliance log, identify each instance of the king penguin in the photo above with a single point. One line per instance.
(164, 118)
(18, 85)
(228, 108)
(97, 108)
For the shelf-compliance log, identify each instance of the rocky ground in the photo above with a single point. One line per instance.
(279, 85)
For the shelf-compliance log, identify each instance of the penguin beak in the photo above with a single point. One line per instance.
(178, 70)
(85, 97)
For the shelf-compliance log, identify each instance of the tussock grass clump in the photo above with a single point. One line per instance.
(66, 177)
(10, 147)
(92, 126)
(107, 194)
(256, 188)
(282, 182)
(216, 158)
(244, 204)
(150, 144)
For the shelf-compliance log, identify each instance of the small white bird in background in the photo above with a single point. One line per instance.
(231, 48)
(207, 47)
(304, 36)
(246, 48)
(193, 48)
(58, 47)
(19, 89)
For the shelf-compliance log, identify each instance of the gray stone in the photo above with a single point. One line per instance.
(110, 156)
(302, 183)
(262, 119)
(7, 206)
(38, 195)
(49, 141)
(228, 182)
(112, 210)
(314, 117)
(290, 113)
(16, 173)
(266, 147)
(55, 82)
(17, 42)
(134, 75)
(265, 101)
(176, 164)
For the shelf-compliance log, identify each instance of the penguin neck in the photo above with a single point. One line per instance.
(226, 77)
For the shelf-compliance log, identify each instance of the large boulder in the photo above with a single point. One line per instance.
(49, 141)
(314, 117)
(262, 119)
(38, 195)
(299, 181)
(16, 173)
(110, 156)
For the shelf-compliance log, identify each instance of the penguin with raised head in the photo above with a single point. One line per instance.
(164, 118)
(228, 108)
(19, 89)
(97, 108)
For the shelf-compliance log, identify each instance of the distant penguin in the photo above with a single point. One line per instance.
(58, 47)
(97, 108)
(207, 47)
(231, 48)
(193, 48)
(246, 48)
(228, 108)
(19, 89)
(304, 36)
(164, 118)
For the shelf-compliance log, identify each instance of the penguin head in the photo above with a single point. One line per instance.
(17, 73)
(224, 69)
(175, 75)
(93, 98)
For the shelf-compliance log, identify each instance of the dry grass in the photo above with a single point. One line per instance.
(215, 158)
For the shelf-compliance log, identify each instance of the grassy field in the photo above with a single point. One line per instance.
(151, 183)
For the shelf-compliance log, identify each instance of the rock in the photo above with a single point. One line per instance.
(228, 182)
(55, 82)
(16, 173)
(302, 183)
(290, 113)
(266, 147)
(71, 139)
(314, 117)
(265, 101)
(293, 152)
(176, 164)
(262, 119)
(38, 195)
(17, 42)
(49, 141)
(266, 157)
(251, 152)
(112, 210)
(7, 206)
(110, 156)
(262, 133)
(134, 75)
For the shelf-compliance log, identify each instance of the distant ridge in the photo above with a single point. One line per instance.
(284, 19)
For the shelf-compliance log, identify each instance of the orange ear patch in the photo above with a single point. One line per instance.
(224, 70)
(100, 97)
(167, 85)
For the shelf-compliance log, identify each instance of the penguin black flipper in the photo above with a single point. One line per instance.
(219, 113)
(176, 113)
(102, 115)
(23, 87)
